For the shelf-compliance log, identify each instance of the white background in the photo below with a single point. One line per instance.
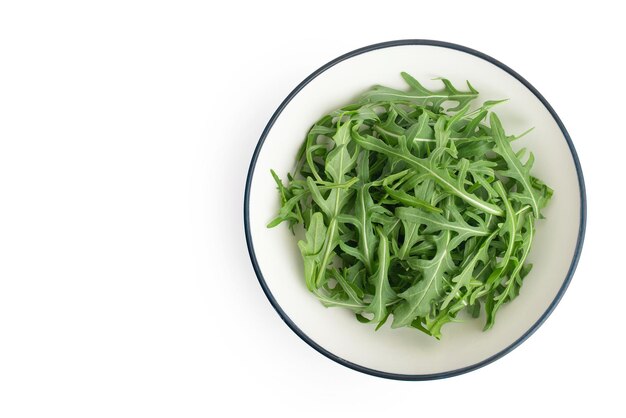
(126, 129)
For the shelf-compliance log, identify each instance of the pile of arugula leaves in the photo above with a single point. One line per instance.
(411, 210)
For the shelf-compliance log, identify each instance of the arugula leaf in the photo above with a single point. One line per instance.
(436, 222)
(418, 298)
(362, 220)
(384, 294)
(516, 170)
(464, 278)
(509, 288)
(311, 248)
(418, 94)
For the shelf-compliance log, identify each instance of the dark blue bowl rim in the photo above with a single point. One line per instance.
(397, 376)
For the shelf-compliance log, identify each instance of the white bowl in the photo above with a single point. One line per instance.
(407, 353)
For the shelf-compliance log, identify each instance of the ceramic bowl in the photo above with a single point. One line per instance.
(407, 353)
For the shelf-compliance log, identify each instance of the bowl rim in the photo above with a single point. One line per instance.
(379, 373)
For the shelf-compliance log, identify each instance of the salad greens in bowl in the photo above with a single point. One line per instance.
(414, 210)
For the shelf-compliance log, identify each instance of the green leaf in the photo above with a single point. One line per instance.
(418, 94)
(510, 286)
(332, 205)
(465, 277)
(327, 253)
(516, 170)
(311, 248)
(407, 199)
(362, 220)
(384, 294)
(411, 237)
(418, 298)
(363, 208)
(436, 222)
(339, 161)
(354, 293)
